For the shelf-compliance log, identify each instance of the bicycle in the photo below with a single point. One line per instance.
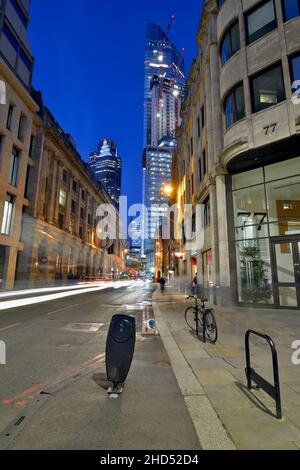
(206, 322)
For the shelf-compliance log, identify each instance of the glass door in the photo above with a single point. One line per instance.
(286, 271)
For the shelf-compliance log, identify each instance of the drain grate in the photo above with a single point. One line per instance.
(83, 327)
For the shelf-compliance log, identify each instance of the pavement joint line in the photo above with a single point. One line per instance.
(210, 430)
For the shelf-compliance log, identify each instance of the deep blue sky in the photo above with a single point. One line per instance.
(89, 65)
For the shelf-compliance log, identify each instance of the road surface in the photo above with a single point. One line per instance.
(53, 388)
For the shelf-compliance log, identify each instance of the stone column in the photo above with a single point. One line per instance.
(54, 195)
(11, 267)
(224, 263)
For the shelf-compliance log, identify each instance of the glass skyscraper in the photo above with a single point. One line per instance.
(161, 57)
(164, 91)
(106, 167)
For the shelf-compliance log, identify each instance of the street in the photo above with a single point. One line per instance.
(53, 388)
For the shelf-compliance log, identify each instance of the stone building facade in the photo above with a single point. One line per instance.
(18, 122)
(239, 153)
(60, 223)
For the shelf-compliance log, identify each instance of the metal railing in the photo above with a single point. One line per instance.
(272, 390)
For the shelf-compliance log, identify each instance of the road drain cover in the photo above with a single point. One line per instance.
(84, 327)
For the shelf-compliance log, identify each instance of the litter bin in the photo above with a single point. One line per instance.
(120, 347)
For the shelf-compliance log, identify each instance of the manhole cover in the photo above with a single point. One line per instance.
(84, 327)
(134, 308)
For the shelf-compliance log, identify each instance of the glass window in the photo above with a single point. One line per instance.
(32, 146)
(282, 169)
(250, 206)
(8, 215)
(267, 89)
(235, 106)
(254, 272)
(295, 73)
(291, 9)
(22, 127)
(249, 178)
(14, 168)
(260, 21)
(230, 43)
(10, 117)
(284, 206)
(62, 198)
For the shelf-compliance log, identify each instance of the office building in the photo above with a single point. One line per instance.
(163, 95)
(242, 114)
(19, 124)
(106, 166)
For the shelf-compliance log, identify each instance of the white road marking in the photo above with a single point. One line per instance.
(7, 305)
(62, 309)
(10, 326)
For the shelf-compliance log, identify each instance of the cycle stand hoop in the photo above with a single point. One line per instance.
(272, 390)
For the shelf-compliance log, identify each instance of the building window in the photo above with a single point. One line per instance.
(200, 169)
(64, 175)
(32, 144)
(295, 74)
(10, 117)
(260, 21)
(291, 9)
(74, 186)
(234, 106)
(8, 215)
(267, 89)
(204, 163)
(14, 167)
(199, 127)
(83, 195)
(202, 116)
(230, 43)
(60, 220)
(206, 212)
(22, 127)
(82, 213)
(62, 199)
(73, 207)
(81, 232)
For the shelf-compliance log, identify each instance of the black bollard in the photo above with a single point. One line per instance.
(120, 347)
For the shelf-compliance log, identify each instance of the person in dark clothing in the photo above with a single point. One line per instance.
(195, 284)
(162, 283)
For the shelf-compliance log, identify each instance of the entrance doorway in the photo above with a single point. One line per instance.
(285, 252)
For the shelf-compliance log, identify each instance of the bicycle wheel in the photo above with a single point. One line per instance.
(211, 329)
(190, 318)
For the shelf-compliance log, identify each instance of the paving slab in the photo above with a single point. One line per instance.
(248, 417)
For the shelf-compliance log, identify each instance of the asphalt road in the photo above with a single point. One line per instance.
(57, 349)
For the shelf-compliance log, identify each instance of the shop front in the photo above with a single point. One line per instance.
(265, 234)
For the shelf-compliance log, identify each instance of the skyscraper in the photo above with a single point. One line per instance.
(106, 166)
(164, 60)
(164, 91)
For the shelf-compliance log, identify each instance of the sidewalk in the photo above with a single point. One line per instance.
(212, 377)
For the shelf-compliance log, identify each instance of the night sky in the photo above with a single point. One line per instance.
(89, 65)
